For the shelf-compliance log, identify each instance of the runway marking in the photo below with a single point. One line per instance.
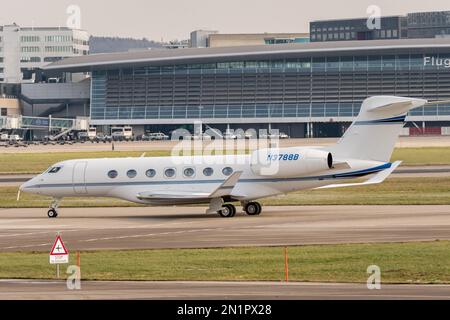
(25, 281)
(30, 233)
(33, 245)
(28, 246)
(106, 238)
(314, 225)
(17, 221)
(150, 234)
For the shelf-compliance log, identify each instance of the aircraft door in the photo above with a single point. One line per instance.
(79, 177)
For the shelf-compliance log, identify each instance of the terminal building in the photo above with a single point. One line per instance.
(23, 51)
(27, 96)
(212, 39)
(302, 89)
(417, 25)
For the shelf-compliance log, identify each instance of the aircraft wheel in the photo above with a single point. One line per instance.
(52, 213)
(228, 211)
(253, 209)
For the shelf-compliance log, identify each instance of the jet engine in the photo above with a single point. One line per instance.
(290, 162)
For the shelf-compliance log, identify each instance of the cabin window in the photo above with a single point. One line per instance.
(208, 172)
(227, 171)
(150, 173)
(131, 174)
(189, 172)
(170, 173)
(54, 170)
(113, 174)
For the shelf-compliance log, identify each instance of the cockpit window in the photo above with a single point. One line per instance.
(54, 170)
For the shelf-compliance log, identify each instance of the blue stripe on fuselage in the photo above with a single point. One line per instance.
(345, 175)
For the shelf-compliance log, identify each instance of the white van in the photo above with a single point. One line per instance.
(122, 133)
(92, 133)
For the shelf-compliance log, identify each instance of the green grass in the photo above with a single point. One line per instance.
(394, 191)
(421, 262)
(38, 162)
(422, 156)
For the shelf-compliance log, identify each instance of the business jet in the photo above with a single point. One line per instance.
(218, 181)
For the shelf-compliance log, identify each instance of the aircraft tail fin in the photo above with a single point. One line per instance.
(372, 136)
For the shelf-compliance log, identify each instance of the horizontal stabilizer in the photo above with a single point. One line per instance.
(378, 178)
(398, 107)
(437, 102)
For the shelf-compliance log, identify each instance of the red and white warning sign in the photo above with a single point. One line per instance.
(59, 253)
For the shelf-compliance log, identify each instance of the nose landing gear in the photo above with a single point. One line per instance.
(53, 211)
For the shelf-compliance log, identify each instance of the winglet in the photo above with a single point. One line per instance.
(378, 178)
(227, 186)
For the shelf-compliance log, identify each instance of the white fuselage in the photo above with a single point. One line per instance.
(365, 149)
(89, 178)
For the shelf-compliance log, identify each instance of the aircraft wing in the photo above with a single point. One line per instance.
(378, 178)
(227, 186)
(168, 195)
(223, 190)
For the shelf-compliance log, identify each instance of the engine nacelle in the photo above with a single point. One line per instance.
(290, 162)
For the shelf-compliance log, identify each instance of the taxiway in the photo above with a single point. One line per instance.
(189, 227)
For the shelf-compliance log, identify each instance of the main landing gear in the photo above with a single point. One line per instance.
(253, 208)
(53, 211)
(250, 208)
(227, 211)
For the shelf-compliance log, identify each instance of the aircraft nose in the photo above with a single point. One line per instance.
(27, 186)
(24, 186)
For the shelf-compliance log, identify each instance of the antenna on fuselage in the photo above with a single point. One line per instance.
(143, 155)
(18, 196)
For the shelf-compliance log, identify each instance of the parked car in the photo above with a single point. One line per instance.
(284, 135)
(15, 138)
(157, 136)
(101, 137)
(243, 135)
(274, 135)
(207, 137)
(83, 136)
(229, 135)
(4, 137)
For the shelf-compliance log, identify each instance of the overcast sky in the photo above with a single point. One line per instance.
(174, 19)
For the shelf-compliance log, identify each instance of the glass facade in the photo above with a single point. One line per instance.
(285, 40)
(303, 87)
(418, 25)
(356, 29)
(428, 24)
